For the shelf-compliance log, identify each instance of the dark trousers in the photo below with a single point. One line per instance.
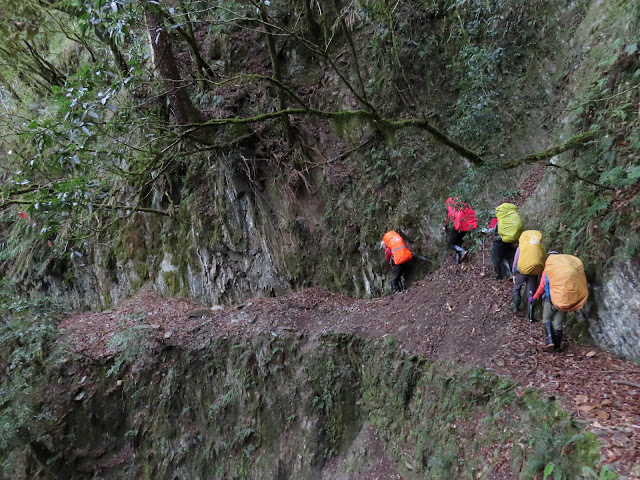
(396, 276)
(531, 282)
(502, 251)
(455, 238)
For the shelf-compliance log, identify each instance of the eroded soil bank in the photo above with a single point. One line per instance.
(292, 406)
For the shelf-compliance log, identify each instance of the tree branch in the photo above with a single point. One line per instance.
(574, 142)
(7, 203)
(573, 174)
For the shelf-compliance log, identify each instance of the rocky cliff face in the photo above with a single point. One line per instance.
(614, 312)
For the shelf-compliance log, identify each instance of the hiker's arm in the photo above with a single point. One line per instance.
(540, 289)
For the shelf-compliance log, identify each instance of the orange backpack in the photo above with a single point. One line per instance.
(567, 282)
(399, 249)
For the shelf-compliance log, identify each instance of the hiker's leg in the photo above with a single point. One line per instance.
(531, 286)
(460, 238)
(517, 286)
(452, 241)
(396, 273)
(495, 256)
(547, 316)
(510, 253)
(558, 321)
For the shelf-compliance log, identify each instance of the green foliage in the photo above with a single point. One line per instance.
(605, 473)
(27, 349)
(132, 343)
(594, 221)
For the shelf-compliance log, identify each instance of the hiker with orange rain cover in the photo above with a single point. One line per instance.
(398, 255)
(528, 264)
(464, 220)
(564, 287)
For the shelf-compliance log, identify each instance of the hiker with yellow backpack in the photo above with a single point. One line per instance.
(564, 287)
(507, 227)
(528, 265)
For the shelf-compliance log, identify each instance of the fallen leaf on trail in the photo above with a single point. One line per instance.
(449, 307)
(585, 408)
(570, 355)
(605, 402)
(592, 353)
(582, 399)
(602, 415)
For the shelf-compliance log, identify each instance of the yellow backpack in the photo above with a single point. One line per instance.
(509, 224)
(532, 253)
(567, 282)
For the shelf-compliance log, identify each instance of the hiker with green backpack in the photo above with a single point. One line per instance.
(507, 227)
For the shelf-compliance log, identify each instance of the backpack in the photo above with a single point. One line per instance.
(465, 220)
(399, 250)
(567, 282)
(509, 223)
(462, 215)
(532, 253)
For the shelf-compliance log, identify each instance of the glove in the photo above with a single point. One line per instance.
(530, 299)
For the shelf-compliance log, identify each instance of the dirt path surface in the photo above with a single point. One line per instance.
(454, 315)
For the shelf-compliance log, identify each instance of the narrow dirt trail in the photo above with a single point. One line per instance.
(453, 315)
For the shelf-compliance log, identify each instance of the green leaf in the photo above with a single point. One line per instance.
(32, 125)
(633, 175)
(548, 470)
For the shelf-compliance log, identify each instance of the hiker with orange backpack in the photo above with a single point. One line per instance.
(528, 264)
(564, 287)
(507, 227)
(463, 219)
(398, 255)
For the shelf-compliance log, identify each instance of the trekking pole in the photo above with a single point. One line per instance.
(423, 258)
(530, 315)
(483, 271)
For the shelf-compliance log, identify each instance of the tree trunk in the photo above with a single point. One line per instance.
(277, 74)
(165, 64)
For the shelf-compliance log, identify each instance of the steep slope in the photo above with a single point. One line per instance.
(456, 316)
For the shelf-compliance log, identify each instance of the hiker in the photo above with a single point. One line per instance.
(528, 264)
(398, 255)
(464, 220)
(507, 227)
(564, 288)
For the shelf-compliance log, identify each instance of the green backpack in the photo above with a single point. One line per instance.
(509, 223)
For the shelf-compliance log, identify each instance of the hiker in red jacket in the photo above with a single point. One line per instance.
(463, 219)
(398, 255)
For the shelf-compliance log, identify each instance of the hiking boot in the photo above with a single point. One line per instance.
(516, 303)
(557, 338)
(498, 276)
(507, 267)
(549, 340)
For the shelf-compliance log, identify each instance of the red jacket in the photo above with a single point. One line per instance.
(463, 217)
